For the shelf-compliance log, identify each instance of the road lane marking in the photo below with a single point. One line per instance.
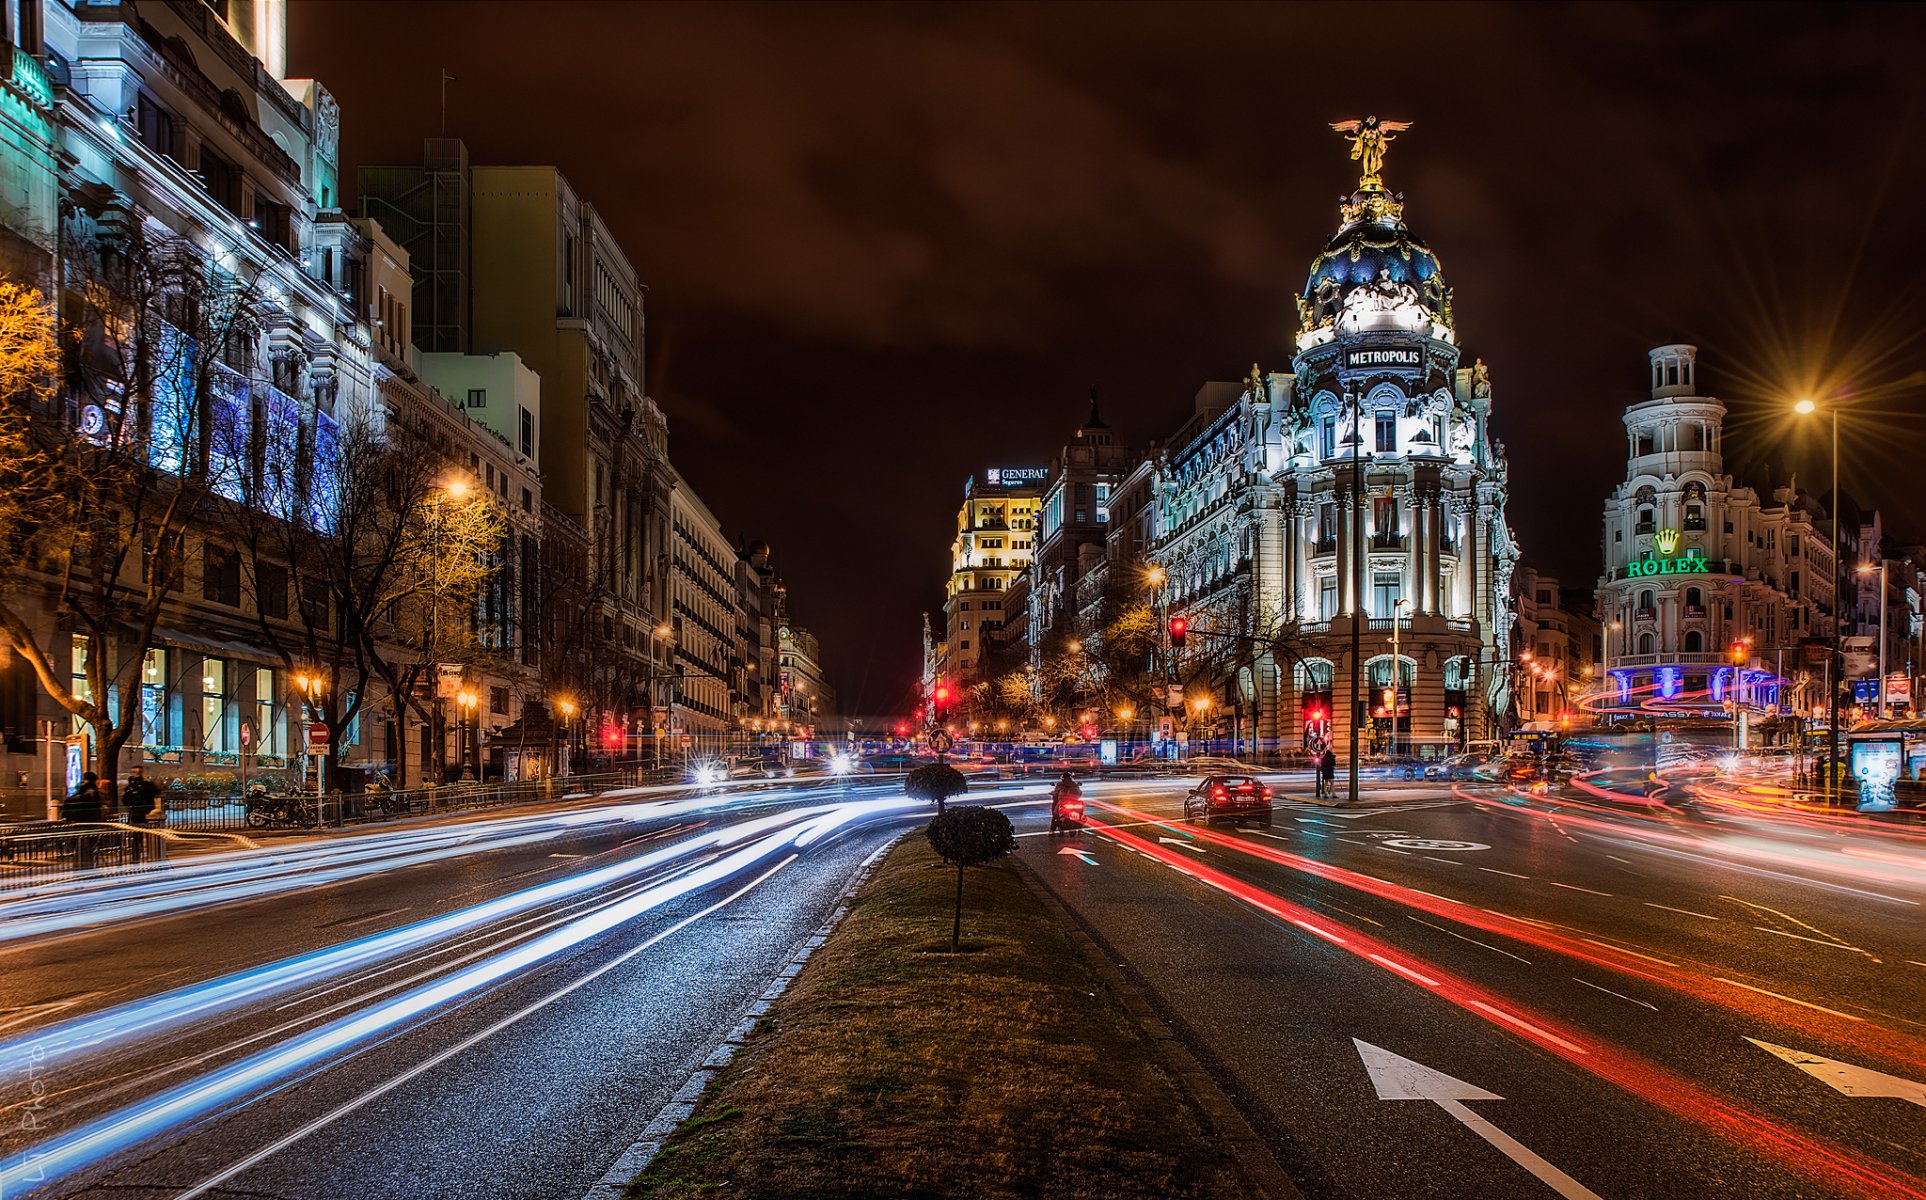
(1572, 887)
(363, 919)
(1496, 871)
(1401, 969)
(1395, 1077)
(1449, 861)
(1461, 937)
(1688, 912)
(1847, 1079)
(1816, 941)
(1623, 950)
(1610, 992)
(1788, 999)
(1520, 1022)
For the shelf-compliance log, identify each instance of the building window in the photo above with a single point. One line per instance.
(223, 180)
(77, 678)
(1695, 517)
(1646, 523)
(498, 701)
(214, 706)
(221, 576)
(153, 698)
(271, 591)
(526, 428)
(1328, 437)
(1387, 433)
(269, 738)
(1644, 643)
(1694, 641)
(1327, 598)
(1387, 588)
(477, 398)
(156, 128)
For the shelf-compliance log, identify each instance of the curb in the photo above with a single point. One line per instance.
(1260, 1168)
(636, 1158)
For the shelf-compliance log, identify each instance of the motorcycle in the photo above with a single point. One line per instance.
(264, 810)
(1066, 813)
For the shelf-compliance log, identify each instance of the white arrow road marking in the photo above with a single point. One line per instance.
(1398, 1078)
(1848, 1079)
(1184, 842)
(1082, 854)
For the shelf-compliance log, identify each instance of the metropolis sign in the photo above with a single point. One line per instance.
(1384, 357)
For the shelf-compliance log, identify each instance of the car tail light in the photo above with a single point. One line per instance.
(1217, 790)
(1267, 793)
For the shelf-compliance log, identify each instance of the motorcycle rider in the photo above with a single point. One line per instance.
(1066, 789)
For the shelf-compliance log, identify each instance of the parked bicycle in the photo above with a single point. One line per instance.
(264, 810)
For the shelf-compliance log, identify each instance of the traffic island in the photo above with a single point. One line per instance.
(893, 1067)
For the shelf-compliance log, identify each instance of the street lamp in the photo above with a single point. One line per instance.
(568, 710)
(1397, 669)
(1805, 408)
(311, 684)
(468, 702)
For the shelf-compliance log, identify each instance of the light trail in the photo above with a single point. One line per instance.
(100, 1138)
(1833, 1165)
(80, 904)
(1867, 1037)
(153, 1016)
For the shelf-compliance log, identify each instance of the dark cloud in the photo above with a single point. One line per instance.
(888, 245)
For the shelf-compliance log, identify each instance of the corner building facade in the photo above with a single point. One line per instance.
(1360, 489)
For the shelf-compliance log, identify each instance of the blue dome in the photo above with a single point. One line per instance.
(1363, 251)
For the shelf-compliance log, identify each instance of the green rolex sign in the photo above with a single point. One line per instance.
(1665, 541)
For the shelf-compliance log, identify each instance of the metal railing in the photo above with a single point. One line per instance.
(42, 851)
(233, 812)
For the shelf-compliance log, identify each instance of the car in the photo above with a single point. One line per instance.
(1464, 766)
(1229, 798)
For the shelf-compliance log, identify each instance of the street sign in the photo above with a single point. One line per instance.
(247, 732)
(1176, 695)
(319, 735)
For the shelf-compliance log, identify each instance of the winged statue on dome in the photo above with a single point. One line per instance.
(1369, 138)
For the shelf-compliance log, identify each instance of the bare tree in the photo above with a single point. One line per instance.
(115, 460)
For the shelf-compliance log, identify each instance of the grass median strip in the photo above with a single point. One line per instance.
(892, 1067)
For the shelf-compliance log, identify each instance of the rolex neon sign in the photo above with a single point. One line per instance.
(1666, 542)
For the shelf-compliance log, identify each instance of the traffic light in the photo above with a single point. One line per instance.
(1179, 626)
(1738, 653)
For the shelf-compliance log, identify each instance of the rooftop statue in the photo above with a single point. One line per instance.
(1369, 138)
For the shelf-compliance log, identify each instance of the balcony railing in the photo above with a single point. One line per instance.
(1695, 610)
(1647, 614)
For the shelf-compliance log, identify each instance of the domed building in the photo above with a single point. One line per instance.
(1331, 520)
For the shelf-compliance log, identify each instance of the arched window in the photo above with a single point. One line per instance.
(1695, 516)
(1378, 671)
(1694, 641)
(1645, 600)
(1694, 598)
(1647, 521)
(1454, 674)
(1644, 643)
(1314, 675)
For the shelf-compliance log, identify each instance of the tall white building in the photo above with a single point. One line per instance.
(1701, 570)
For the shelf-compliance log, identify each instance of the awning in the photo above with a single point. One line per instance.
(217, 643)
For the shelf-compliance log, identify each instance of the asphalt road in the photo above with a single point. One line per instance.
(1597, 962)
(486, 1007)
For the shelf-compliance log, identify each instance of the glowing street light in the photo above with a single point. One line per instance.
(1806, 407)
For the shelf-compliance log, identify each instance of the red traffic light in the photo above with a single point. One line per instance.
(1179, 626)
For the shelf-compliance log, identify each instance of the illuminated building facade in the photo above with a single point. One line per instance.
(1697, 564)
(996, 535)
(1359, 490)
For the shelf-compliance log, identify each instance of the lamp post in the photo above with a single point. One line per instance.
(1397, 671)
(567, 710)
(1806, 408)
(311, 684)
(466, 740)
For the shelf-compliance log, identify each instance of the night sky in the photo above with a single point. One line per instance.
(888, 246)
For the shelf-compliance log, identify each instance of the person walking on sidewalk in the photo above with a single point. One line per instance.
(1327, 775)
(139, 794)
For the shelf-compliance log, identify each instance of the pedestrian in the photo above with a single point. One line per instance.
(85, 803)
(1327, 774)
(139, 794)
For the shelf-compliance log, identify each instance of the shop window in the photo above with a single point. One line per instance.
(214, 706)
(269, 738)
(153, 698)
